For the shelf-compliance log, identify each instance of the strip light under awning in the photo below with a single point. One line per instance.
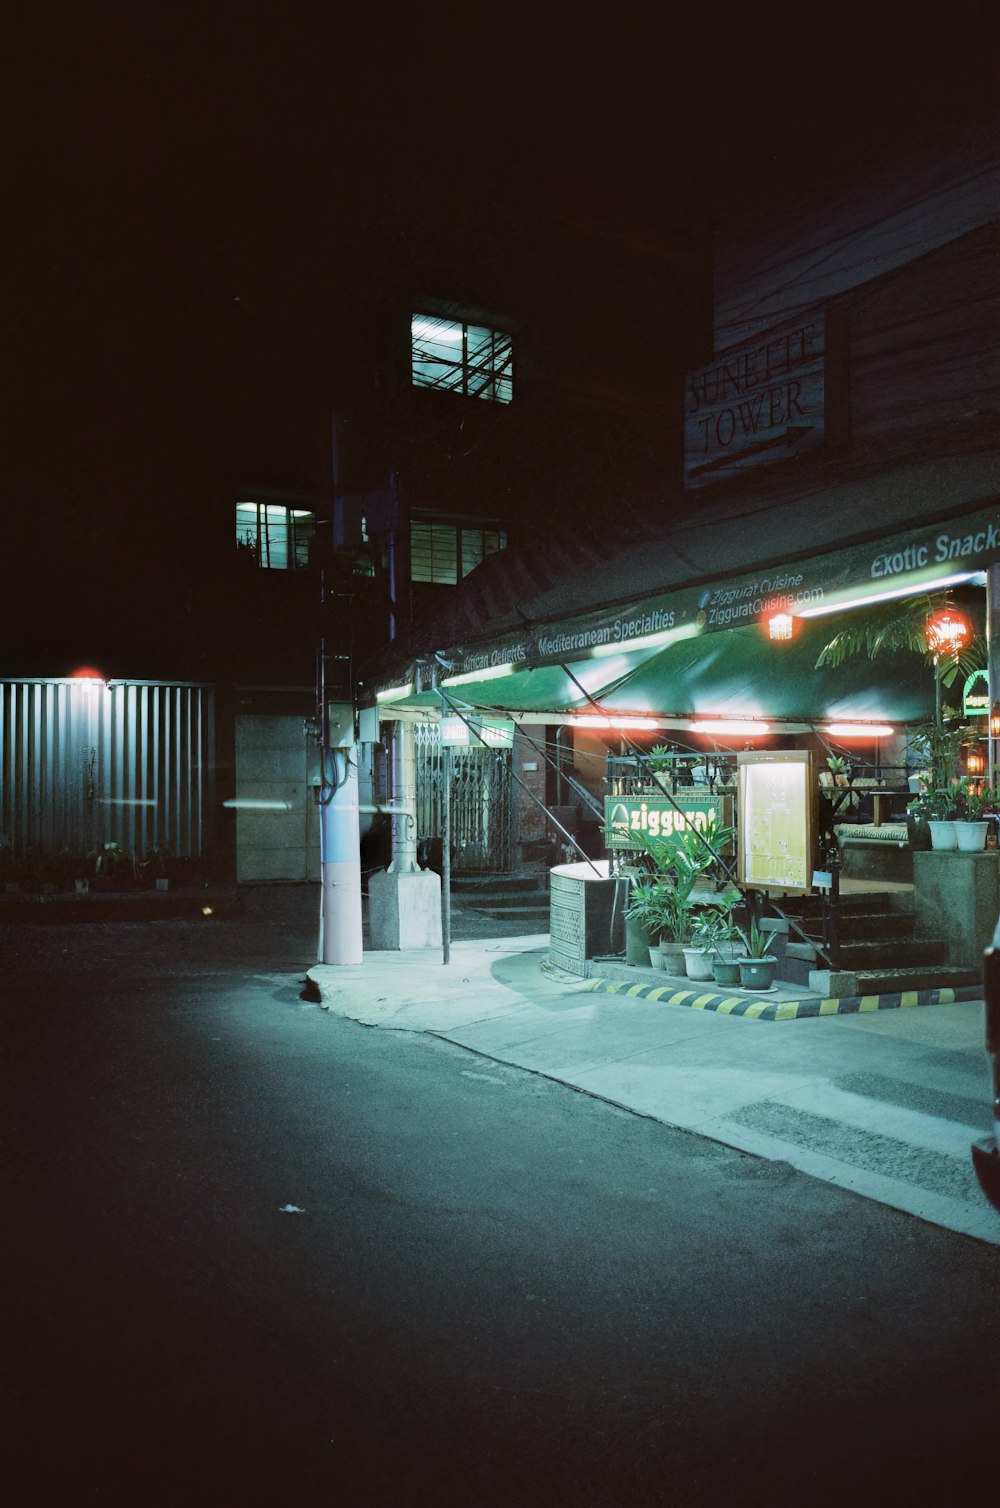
(491, 673)
(599, 720)
(747, 727)
(859, 730)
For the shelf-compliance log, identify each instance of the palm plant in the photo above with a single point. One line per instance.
(887, 627)
(676, 864)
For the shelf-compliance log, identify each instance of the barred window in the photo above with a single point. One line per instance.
(443, 553)
(456, 357)
(276, 536)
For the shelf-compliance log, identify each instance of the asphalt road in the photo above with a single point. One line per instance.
(493, 1289)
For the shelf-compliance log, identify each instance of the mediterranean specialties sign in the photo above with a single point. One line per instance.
(757, 403)
(626, 818)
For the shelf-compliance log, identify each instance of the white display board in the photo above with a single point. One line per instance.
(777, 820)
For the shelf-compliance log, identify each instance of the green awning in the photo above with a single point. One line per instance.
(736, 673)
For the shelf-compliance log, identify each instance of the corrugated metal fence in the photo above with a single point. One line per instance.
(83, 763)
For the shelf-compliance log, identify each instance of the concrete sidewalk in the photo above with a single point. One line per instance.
(884, 1103)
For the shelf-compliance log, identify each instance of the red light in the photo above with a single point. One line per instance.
(946, 631)
(779, 626)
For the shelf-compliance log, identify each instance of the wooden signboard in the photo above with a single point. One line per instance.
(777, 820)
(756, 404)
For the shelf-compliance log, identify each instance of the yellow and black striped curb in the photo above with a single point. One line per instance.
(784, 1010)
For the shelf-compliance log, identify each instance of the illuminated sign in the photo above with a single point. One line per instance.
(463, 733)
(626, 816)
(777, 823)
(976, 694)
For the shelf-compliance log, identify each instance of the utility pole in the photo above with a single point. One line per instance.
(340, 940)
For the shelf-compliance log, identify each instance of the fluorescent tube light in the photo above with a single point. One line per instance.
(649, 641)
(936, 585)
(600, 720)
(394, 693)
(491, 673)
(860, 730)
(746, 726)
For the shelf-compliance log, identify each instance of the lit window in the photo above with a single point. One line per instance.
(443, 553)
(459, 358)
(274, 536)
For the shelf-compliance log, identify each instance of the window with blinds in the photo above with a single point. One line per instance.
(443, 553)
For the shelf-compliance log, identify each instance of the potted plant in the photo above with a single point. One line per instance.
(683, 864)
(114, 867)
(759, 966)
(698, 953)
(943, 812)
(647, 914)
(840, 769)
(727, 949)
(972, 825)
(918, 814)
(935, 749)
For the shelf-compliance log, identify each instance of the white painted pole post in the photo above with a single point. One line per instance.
(340, 856)
(404, 796)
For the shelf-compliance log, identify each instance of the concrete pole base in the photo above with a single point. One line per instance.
(404, 909)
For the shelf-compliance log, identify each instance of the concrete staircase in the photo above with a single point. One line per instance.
(880, 951)
(505, 898)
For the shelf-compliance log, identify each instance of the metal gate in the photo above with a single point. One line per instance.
(482, 804)
(83, 763)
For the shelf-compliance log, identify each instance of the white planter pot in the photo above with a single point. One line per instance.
(697, 964)
(971, 836)
(943, 835)
(655, 957)
(673, 957)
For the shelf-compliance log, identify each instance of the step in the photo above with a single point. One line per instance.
(809, 908)
(538, 914)
(868, 926)
(496, 883)
(892, 953)
(882, 981)
(501, 901)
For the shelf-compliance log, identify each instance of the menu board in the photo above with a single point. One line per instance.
(777, 820)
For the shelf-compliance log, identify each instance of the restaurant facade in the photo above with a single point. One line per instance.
(840, 452)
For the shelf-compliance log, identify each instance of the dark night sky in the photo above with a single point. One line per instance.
(172, 162)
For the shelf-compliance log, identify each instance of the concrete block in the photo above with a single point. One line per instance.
(405, 909)
(957, 897)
